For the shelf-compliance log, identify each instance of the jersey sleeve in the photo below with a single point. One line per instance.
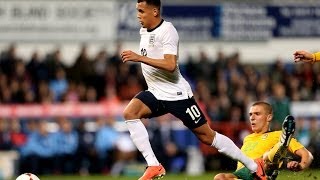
(294, 145)
(170, 41)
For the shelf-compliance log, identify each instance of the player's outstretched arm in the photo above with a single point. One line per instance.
(304, 56)
(306, 159)
(169, 62)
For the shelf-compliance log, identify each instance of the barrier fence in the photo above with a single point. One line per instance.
(63, 109)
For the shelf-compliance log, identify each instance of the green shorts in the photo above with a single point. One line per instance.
(244, 173)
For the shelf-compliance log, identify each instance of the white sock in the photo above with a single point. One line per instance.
(140, 138)
(228, 148)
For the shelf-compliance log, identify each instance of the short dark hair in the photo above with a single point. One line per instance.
(265, 105)
(156, 3)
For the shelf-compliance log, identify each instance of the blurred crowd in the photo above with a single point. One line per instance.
(223, 86)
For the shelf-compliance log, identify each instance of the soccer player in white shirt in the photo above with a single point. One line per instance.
(168, 92)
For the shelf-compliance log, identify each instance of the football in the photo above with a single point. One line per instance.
(27, 176)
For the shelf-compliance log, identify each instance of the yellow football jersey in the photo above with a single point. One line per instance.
(255, 145)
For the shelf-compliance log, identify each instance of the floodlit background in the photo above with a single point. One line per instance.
(63, 86)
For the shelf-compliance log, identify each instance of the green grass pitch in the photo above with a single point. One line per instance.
(284, 175)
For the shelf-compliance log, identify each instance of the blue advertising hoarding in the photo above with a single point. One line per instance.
(192, 22)
(231, 21)
(295, 21)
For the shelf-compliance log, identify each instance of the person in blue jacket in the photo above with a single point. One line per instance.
(67, 143)
(37, 156)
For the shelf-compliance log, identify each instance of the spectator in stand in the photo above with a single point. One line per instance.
(251, 76)
(37, 68)
(106, 137)
(71, 94)
(262, 88)
(277, 71)
(59, 85)
(5, 91)
(53, 62)
(91, 95)
(29, 96)
(100, 68)
(188, 69)
(307, 73)
(82, 91)
(20, 73)
(44, 94)
(203, 91)
(83, 69)
(280, 103)
(3, 80)
(85, 153)
(239, 100)
(204, 68)
(220, 62)
(17, 136)
(123, 74)
(25, 83)
(111, 76)
(29, 126)
(115, 59)
(223, 98)
(16, 91)
(8, 60)
(233, 67)
(38, 154)
(213, 109)
(5, 141)
(293, 86)
(67, 143)
(303, 131)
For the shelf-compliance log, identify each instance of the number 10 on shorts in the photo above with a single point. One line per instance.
(194, 113)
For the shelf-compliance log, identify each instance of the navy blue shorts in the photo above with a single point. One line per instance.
(186, 110)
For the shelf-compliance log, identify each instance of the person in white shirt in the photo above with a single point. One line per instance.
(168, 92)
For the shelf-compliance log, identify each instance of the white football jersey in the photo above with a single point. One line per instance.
(164, 85)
